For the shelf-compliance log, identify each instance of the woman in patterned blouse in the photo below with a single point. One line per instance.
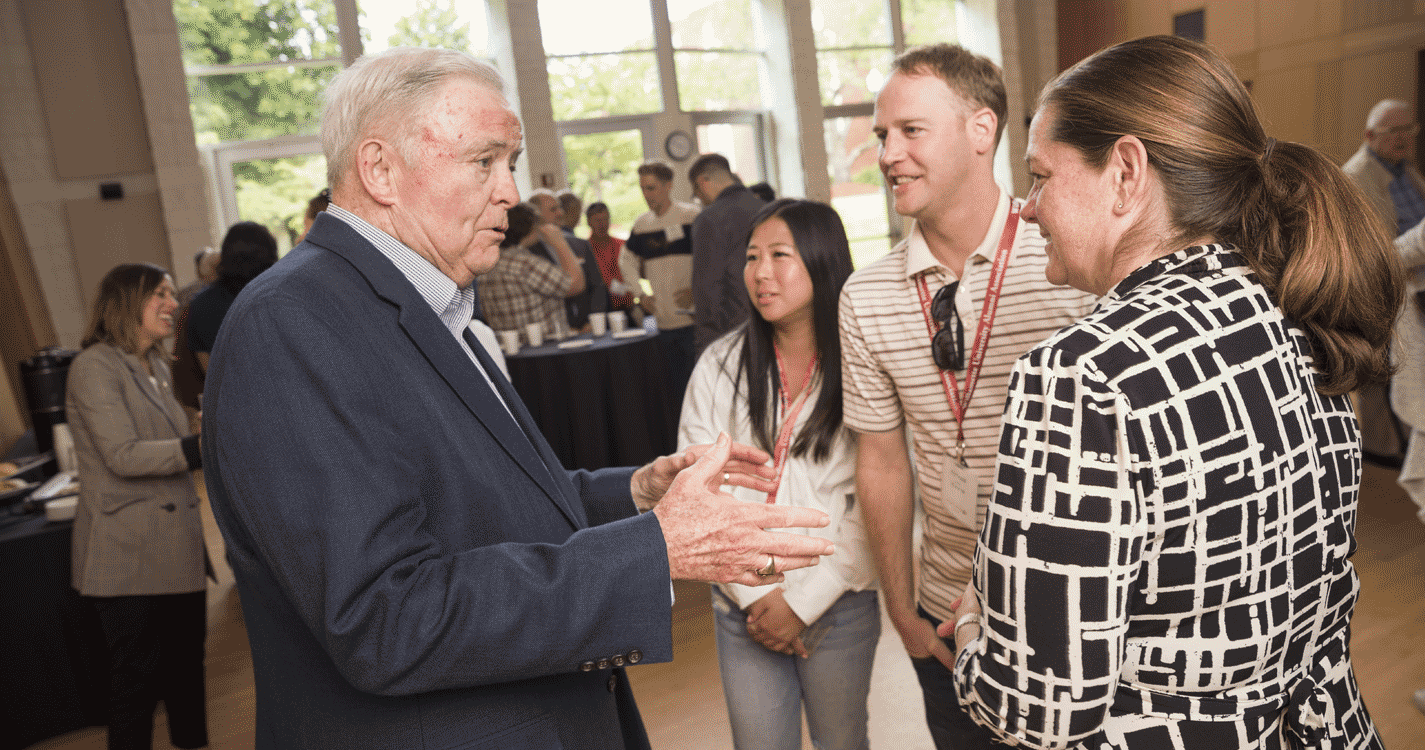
(1165, 563)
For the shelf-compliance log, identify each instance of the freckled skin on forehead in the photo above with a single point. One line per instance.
(453, 199)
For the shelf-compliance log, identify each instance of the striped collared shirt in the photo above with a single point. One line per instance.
(889, 376)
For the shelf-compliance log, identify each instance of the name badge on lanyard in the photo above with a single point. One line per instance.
(959, 488)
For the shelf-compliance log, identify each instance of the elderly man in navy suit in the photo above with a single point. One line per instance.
(416, 569)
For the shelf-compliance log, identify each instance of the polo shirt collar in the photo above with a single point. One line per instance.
(919, 259)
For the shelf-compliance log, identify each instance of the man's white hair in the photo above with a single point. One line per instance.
(385, 93)
(1381, 109)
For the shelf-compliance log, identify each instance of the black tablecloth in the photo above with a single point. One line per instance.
(604, 404)
(54, 669)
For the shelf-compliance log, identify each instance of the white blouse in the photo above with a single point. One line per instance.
(829, 486)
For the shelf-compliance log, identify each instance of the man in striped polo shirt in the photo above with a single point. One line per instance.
(939, 119)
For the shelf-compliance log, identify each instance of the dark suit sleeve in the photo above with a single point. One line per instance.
(404, 539)
(719, 257)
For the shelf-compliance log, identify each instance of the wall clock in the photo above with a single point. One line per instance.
(679, 145)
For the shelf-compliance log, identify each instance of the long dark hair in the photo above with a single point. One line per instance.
(821, 241)
(1302, 226)
(248, 250)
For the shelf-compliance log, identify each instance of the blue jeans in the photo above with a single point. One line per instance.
(765, 690)
(950, 726)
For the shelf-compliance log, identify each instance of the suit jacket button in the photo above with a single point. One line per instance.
(617, 661)
(635, 656)
(587, 666)
(170, 507)
(613, 683)
(603, 664)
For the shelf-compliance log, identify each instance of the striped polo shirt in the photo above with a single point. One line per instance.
(889, 377)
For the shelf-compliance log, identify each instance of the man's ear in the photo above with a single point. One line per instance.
(981, 127)
(378, 166)
(1129, 165)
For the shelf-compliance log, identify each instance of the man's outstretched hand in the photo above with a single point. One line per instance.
(712, 536)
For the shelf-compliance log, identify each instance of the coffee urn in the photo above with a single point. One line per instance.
(44, 376)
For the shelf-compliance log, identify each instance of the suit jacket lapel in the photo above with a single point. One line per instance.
(445, 354)
(517, 409)
(154, 393)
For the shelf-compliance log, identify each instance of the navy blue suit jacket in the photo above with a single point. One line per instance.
(415, 570)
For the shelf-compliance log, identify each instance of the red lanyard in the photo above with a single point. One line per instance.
(959, 404)
(784, 437)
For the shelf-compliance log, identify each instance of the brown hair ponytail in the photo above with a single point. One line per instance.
(1304, 229)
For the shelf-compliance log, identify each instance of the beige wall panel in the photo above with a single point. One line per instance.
(1328, 14)
(87, 85)
(1232, 26)
(1300, 54)
(1360, 14)
(1332, 136)
(1285, 100)
(1366, 79)
(1287, 23)
(1147, 17)
(107, 233)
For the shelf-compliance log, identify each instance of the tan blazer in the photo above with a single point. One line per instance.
(1374, 180)
(137, 529)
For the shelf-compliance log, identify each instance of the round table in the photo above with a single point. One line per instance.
(603, 403)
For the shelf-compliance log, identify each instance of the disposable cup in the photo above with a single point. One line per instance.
(510, 342)
(534, 333)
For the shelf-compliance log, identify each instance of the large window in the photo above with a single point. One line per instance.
(603, 166)
(621, 74)
(617, 65)
(856, 43)
(717, 56)
(600, 58)
(256, 69)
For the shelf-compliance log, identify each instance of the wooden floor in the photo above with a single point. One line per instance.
(682, 701)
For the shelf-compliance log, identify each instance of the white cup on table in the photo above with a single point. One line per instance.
(617, 321)
(534, 334)
(510, 342)
(598, 323)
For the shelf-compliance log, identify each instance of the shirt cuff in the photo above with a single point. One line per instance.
(192, 452)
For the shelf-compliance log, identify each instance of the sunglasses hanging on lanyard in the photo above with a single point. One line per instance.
(958, 485)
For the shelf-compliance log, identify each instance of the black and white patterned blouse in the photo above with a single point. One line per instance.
(1164, 564)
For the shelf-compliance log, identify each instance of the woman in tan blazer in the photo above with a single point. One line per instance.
(138, 537)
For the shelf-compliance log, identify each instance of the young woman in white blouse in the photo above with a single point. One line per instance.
(775, 382)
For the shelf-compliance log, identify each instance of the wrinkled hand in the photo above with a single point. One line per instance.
(712, 536)
(649, 305)
(746, 467)
(683, 298)
(967, 603)
(772, 623)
